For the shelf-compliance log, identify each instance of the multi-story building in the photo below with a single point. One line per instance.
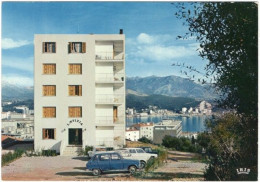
(79, 91)
(166, 127)
(146, 130)
(132, 134)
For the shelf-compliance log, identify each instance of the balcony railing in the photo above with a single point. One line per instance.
(110, 77)
(109, 56)
(109, 98)
(109, 120)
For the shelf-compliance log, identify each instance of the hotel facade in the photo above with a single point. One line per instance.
(79, 91)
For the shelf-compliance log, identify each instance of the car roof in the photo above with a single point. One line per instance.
(105, 152)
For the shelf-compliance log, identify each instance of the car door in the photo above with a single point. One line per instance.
(134, 154)
(143, 154)
(116, 162)
(104, 162)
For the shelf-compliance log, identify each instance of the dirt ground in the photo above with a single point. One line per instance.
(64, 168)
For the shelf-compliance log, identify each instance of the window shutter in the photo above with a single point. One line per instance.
(53, 69)
(43, 134)
(70, 47)
(43, 47)
(54, 133)
(54, 112)
(54, 90)
(70, 68)
(80, 90)
(44, 112)
(80, 68)
(83, 47)
(54, 48)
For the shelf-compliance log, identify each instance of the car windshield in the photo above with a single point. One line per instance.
(148, 150)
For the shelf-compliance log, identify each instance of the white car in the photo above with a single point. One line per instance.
(138, 154)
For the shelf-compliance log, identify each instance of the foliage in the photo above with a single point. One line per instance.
(180, 144)
(228, 33)
(145, 140)
(49, 153)
(153, 163)
(10, 157)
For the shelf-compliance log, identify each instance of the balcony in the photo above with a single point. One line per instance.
(110, 78)
(109, 57)
(113, 99)
(109, 120)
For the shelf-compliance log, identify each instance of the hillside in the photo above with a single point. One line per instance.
(14, 92)
(173, 86)
(162, 101)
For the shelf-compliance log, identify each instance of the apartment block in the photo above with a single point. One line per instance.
(79, 91)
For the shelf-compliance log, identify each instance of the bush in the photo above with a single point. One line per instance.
(145, 140)
(49, 153)
(155, 162)
(9, 157)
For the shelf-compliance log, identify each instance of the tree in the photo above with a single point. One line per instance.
(228, 33)
(145, 140)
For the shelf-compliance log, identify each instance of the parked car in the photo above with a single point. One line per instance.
(149, 150)
(138, 154)
(111, 161)
(98, 150)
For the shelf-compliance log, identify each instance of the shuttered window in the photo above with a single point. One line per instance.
(75, 112)
(75, 90)
(75, 68)
(77, 47)
(49, 112)
(49, 69)
(48, 134)
(49, 47)
(49, 90)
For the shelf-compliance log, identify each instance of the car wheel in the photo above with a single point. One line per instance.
(96, 172)
(132, 169)
(142, 164)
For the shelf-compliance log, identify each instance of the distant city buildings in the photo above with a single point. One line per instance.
(132, 134)
(166, 127)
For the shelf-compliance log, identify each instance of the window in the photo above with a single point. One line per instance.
(75, 90)
(77, 47)
(140, 151)
(49, 47)
(132, 151)
(115, 157)
(49, 69)
(49, 112)
(104, 157)
(75, 68)
(49, 90)
(48, 134)
(75, 112)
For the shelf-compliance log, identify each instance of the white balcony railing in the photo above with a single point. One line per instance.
(109, 56)
(109, 120)
(110, 77)
(110, 98)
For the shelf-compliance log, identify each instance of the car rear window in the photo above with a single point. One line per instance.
(104, 157)
(132, 151)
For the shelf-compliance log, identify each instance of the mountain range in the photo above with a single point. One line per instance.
(172, 86)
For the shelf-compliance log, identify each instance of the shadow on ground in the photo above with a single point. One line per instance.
(81, 158)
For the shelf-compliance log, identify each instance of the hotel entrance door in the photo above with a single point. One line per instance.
(75, 136)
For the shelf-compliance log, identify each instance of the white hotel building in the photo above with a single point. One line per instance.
(79, 91)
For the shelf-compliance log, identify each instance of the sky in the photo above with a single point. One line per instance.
(150, 29)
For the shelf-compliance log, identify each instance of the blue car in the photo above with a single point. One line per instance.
(111, 161)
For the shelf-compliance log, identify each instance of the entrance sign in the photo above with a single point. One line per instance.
(75, 121)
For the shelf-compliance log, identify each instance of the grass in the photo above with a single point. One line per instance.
(10, 157)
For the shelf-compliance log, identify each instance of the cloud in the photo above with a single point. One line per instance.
(17, 80)
(158, 48)
(25, 64)
(8, 43)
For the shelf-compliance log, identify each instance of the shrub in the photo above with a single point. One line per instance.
(9, 157)
(155, 162)
(49, 153)
(145, 140)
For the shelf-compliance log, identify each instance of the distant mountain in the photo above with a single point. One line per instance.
(129, 91)
(162, 101)
(10, 92)
(173, 86)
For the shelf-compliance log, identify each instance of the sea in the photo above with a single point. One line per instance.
(195, 123)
